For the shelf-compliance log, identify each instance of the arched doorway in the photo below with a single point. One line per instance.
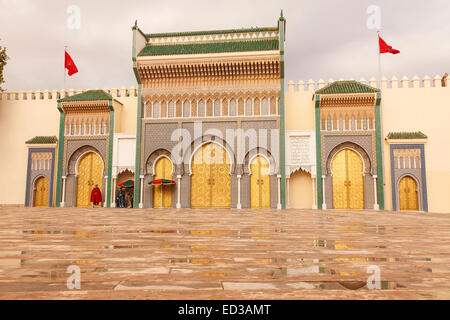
(348, 184)
(90, 171)
(41, 192)
(408, 194)
(210, 180)
(162, 194)
(259, 183)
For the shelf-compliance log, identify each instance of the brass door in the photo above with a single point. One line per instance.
(163, 170)
(408, 194)
(210, 180)
(41, 192)
(259, 183)
(90, 170)
(348, 183)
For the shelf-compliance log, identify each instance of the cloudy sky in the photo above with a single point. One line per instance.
(324, 38)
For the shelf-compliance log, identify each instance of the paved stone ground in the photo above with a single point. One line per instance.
(222, 254)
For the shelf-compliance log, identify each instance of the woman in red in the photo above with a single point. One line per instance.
(96, 196)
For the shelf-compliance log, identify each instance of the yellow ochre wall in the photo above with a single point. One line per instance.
(24, 115)
(426, 110)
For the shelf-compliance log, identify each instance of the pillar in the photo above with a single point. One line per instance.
(288, 178)
(324, 205)
(106, 190)
(141, 196)
(239, 205)
(279, 192)
(63, 200)
(314, 181)
(113, 197)
(375, 193)
(179, 191)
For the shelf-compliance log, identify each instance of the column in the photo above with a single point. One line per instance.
(113, 197)
(288, 205)
(279, 191)
(179, 191)
(239, 205)
(375, 193)
(324, 205)
(141, 196)
(314, 181)
(106, 190)
(63, 200)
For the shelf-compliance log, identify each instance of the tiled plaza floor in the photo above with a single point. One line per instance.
(222, 254)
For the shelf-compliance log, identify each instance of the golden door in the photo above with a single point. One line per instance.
(41, 192)
(259, 183)
(408, 194)
(348, 184)
(210, 180)
(163, 170)
(90, 170)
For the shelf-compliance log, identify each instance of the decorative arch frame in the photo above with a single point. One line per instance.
(33, 186)
(262, 152)
(75, 157)
(367, 165)
(154, 157)
(418, 189)
(220, 143)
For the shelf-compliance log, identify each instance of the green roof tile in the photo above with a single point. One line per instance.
(406, 135)
(196, 33)
(42, 140)
(213, 47)
(349, 86)
(89, 95)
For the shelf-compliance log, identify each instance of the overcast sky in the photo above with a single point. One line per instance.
(324, 38)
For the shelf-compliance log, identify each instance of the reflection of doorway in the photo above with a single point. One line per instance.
(41, 192)
(259, 183)
(90, 169)
(210, 180)
(163, 170)
(348, 184)
(408, 194)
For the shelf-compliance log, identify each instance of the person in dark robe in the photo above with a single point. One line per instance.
(96, 196)
(121, 198)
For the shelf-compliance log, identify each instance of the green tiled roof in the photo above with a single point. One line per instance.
(406, 135)
(349, 86)
(42, 140)
(89, 95)
(214, 47)
(197, 33)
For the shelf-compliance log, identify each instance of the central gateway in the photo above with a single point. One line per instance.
(210, 178)
(210, 102)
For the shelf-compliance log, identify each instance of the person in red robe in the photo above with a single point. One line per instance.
(96, 196)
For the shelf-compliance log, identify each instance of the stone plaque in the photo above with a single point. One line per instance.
(300, 149)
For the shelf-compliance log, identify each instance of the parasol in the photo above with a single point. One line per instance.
(128, 183)
(161, 182)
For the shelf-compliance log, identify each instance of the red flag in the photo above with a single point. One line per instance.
(69, 64)
(385, 48)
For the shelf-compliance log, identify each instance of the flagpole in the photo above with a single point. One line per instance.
(379, 57)
(65, 50)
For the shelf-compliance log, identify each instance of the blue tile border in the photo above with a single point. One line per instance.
(423, 172)
(28, 185)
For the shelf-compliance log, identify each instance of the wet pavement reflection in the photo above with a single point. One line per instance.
(223, 254)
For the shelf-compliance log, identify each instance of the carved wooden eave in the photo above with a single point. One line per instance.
(348, 100)
(267, 68)
(85, 106)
